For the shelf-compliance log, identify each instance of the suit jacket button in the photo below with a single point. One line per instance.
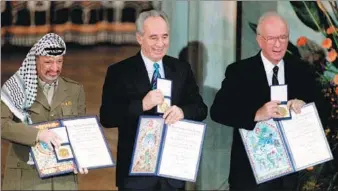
(18, 164)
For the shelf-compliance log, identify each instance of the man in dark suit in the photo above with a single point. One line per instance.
(244, 98)
(127, 94)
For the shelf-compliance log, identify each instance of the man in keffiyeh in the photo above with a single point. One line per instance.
(36, 93)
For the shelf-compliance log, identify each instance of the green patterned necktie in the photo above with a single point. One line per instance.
(155, 76)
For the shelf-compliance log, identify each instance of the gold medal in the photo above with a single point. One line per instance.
(164, 107)
(282, 111)
(63, 152)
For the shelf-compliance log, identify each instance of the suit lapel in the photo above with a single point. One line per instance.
(41, 98)
(261, 74)
(60, 94)
(262, 80)
(140, 74)
(169, 70)
(287, 74)
(290, 76)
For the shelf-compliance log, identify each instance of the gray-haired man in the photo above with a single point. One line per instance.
(127, 94)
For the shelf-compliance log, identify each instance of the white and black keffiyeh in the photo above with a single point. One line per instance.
(20, 90)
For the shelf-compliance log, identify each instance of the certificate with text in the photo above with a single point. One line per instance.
(306, 138)
(83, 145)
(88, 143)
(171, 151)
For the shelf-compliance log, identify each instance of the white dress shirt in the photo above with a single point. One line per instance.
(268, 66)
(150, 66)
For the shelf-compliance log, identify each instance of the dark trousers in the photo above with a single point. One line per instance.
(162, 185)
(286, 183)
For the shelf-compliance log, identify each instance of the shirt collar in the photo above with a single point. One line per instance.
(268, 66)
(43, 84)
(149, 63)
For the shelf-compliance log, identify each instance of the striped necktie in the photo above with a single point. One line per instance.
(155, 76)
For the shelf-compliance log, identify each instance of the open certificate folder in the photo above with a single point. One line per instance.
(45, 159)
(171, 151)
(82, 145)
(278, 148)
(88, 143)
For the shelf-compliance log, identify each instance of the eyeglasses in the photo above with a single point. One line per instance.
(272, 39)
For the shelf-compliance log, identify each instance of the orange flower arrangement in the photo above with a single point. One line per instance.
(335, 79)
(323, 60)
(330, 30)
(331, 55)
(330, 71)
(301, 41)
(327, 43)
(324, 57)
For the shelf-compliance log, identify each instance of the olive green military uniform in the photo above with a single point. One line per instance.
(68, 101)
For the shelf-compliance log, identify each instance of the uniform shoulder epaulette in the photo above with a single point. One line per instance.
(71, 81)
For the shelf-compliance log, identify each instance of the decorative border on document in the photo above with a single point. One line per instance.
(265, 179)
(58, 170)
(136, 164)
